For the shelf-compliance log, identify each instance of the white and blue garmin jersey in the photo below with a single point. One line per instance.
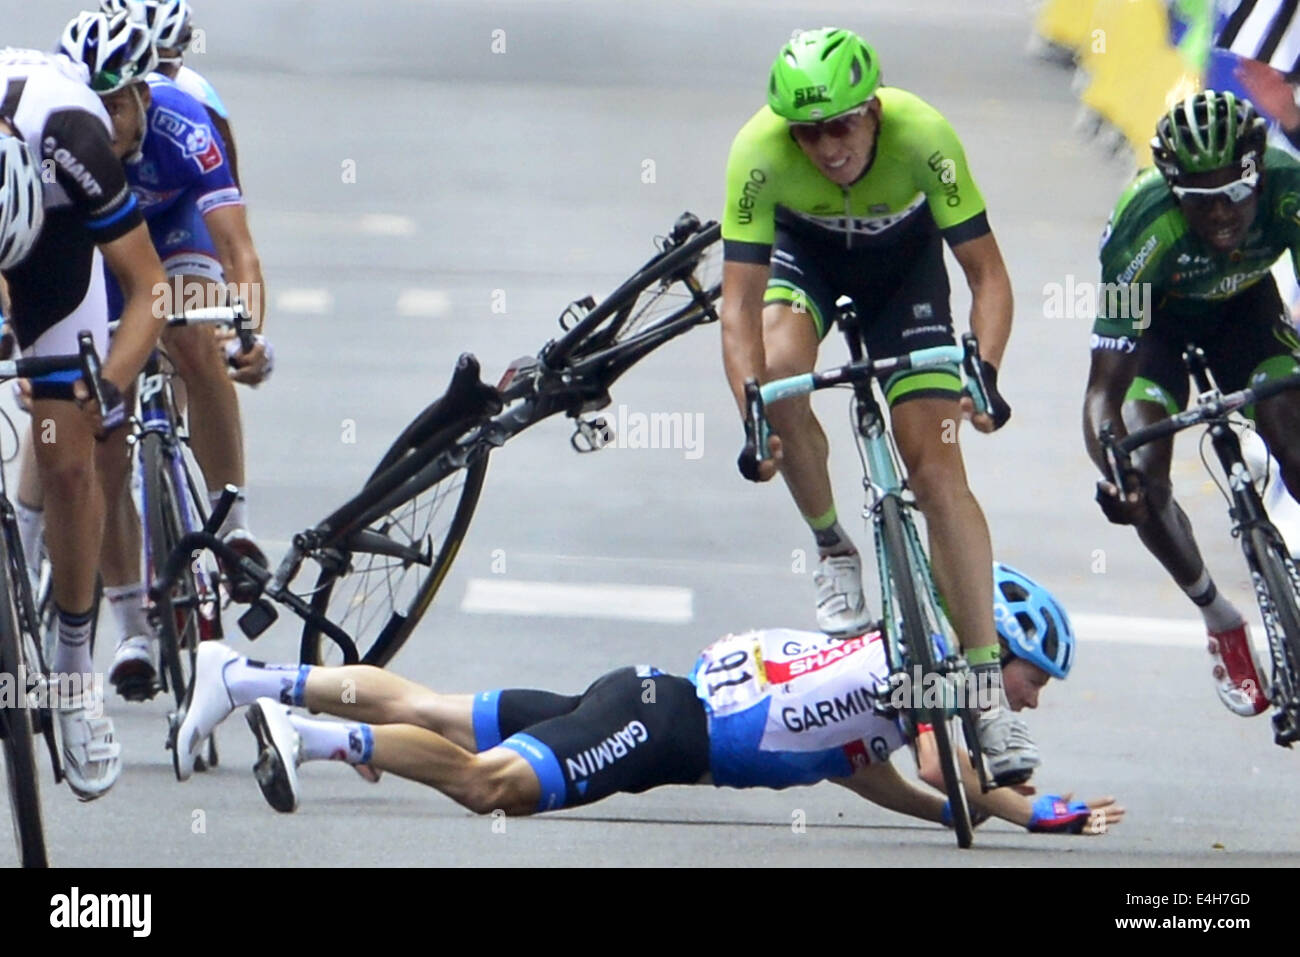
(193, 83)
(182, 156)
(795, 707)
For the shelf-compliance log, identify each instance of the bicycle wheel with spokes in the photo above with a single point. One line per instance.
(918, 628)
(17, 731)
(1280, 607)
(178, 610)
(392, 570)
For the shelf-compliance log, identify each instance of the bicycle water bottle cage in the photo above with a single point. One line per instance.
(591, 435)
(576, 311)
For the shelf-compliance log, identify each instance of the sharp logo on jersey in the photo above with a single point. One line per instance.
(818, 714)
(810, 94)
(73, 167)
(779, 672)
(1139, 260)
(616, 746)
(194, 139)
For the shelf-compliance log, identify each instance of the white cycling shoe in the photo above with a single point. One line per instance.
(279, 752)
(841, 606)
(207, 705)
(1010, 753)
(92, 755)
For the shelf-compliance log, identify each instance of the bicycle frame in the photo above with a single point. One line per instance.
(881, 476)
(157, 416)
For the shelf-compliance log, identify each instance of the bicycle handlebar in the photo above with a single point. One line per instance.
(967, 355)
(235, 315)
(1119, 451)
(196, 541)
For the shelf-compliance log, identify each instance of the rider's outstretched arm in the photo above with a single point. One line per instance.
(882, 784)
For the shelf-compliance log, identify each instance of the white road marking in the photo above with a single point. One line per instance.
(432, 303)
(665, 605)
(314, 301)
(387, 224)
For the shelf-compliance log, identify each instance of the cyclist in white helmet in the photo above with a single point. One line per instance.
(172, 33)
(199, 228)
(54, 274)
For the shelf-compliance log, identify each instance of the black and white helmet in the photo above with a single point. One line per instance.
(117, 50)
(168, 20)
(22, 207)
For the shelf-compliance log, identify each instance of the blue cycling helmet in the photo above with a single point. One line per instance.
(1032, 622)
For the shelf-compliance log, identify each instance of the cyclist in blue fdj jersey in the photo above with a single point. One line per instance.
(169, 20)
(178, 169)
(771, 708)
(56, 231)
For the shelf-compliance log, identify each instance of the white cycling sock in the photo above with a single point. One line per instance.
(31, 526)
(247, 680)
(127, 603)
(334, 740)
(238, 517)
(72, 653)
(1219, 613)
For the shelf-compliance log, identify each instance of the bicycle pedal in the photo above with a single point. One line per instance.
(138, 689)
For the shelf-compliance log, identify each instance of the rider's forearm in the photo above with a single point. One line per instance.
(244, 269)
(1101, 405)
(882, 784)
(990, 314)
(136, 336)
(743, 356)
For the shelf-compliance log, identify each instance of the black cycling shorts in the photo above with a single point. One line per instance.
(900, 291)
(1248, 339)
(632, 730)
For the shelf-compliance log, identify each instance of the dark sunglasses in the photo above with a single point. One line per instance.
(838, 127)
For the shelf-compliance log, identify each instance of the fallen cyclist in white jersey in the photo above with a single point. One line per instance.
(771, 708)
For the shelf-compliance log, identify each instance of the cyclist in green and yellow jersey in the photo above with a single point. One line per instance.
(840, 186)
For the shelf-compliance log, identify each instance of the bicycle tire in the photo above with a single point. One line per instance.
(342, 598)
(1272, 563)
(594, 331)
(163, 531)
(19, 748)
(921, 649)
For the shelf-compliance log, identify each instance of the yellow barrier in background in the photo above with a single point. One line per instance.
(1123, 47)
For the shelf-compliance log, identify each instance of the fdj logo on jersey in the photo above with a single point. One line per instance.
(810, 94)
(194, 139)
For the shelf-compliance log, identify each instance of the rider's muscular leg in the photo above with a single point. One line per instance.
(790, 343)
(497, 779)
(119, 559)
(960, 550)
(216, 435)
(1278, 420)
(1166, 533)
(74, 509)
(375, 696)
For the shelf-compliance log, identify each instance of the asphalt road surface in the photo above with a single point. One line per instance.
(411, 168)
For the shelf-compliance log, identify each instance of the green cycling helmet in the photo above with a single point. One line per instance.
(1207, 131)
(822, 73)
